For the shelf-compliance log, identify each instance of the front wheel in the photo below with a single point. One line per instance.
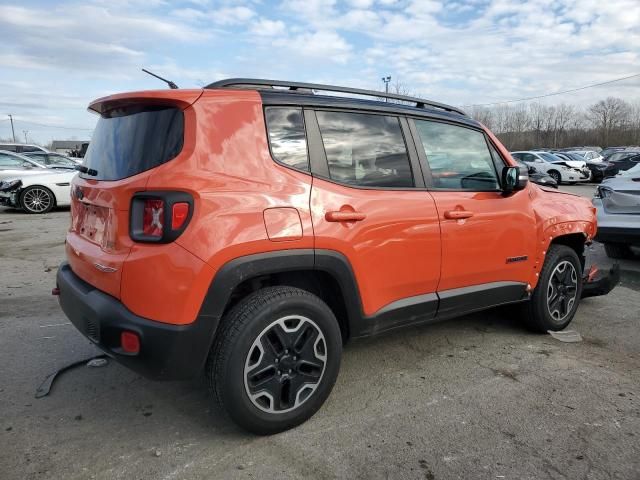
(556, 176)
(275, 359)
(37, 199)
(555, 299)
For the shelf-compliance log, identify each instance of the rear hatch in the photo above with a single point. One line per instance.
(134, 134)
(621, 197)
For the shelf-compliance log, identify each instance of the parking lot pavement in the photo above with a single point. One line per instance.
(476, 397)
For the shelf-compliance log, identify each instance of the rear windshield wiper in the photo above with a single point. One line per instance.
(88, 171)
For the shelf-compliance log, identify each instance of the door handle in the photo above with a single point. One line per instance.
(457, 214)
(343, 216)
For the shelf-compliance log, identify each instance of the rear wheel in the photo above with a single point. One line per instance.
(555, 175)
(618, 250)
(555, 299)
(275, 359)
(37, 199)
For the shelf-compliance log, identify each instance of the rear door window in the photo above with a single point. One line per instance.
(128, 141)
(7, 161)
(365, 150)
(458, 157)
(287, 139)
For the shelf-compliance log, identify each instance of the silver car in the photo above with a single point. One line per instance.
(617, 201)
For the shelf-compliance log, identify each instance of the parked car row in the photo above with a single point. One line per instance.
(585, 164)
(35, 181)
(562, 171)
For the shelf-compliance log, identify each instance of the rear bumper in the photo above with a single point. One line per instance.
(601, 283)
(618, 235)
(167, 352)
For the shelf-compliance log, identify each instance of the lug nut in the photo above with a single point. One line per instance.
(277, 360)
(295, 358)
(279, 372)
(289, 370)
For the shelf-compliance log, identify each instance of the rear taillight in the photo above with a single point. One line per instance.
(153, 218)
(159, 217)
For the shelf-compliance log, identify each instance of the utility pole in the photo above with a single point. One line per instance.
(386, 81)
(13, 132)
(25, 135)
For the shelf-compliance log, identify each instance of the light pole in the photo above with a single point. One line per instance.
(26, 132)
(386, 81)
(13, 132)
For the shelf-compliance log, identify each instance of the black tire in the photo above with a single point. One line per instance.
(556, 176)
(542, 313)
(248, 334)
(618, 250)
(37, 199)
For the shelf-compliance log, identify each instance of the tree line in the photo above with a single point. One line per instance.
(608, 122)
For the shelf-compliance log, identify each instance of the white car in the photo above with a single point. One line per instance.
(37, 193)
(548, 163)
(17, 165)
(590, 155)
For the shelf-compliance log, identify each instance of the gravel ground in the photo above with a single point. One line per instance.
(476, 397)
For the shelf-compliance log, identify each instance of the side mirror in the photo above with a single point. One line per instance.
(27, 165)
(513, 180)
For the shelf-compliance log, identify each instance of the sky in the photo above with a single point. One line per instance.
(58, 56)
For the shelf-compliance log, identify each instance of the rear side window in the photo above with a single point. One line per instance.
(285, 127)
(7, 161)
(9, 148)
(458, 157)
(365, 150)
(130, 140)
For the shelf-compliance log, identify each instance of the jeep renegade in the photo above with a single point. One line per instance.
(247, 230)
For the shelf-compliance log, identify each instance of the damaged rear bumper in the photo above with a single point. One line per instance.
(600, 282)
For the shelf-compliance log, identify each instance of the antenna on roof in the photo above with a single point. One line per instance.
(172, 85)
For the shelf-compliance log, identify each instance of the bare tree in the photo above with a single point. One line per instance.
(608, 114)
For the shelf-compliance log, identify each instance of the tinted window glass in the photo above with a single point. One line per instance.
(7, 161)
(286, 136)
(9, 148)
(27, 148)
(129, 141)
(549, 157)
(365, 150)
(458, 157)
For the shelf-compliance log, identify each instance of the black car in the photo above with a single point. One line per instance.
(625, 160)
(599, 170)
(536, 176)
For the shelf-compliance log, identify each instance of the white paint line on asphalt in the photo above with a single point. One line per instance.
(55, 325)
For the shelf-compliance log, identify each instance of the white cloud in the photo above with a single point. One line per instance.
(268, 28)
(232, 15)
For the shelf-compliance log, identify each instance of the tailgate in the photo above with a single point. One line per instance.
(98, 241)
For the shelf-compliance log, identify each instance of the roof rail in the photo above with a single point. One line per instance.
(293, 86)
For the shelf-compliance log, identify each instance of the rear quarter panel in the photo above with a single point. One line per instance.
(227, 167)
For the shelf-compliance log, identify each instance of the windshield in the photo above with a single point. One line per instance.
(574, 156)
(549, 157)
(130, 140)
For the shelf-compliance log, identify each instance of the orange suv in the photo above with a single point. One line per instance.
(247, 230)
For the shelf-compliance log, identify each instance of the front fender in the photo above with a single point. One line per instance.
(557, 215)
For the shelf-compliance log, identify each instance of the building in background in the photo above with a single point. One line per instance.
(72, 148)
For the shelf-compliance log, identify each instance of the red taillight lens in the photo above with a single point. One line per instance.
(179, 214)
(153, 217)
(130, 342)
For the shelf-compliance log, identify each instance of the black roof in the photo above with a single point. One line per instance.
(299, 93)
